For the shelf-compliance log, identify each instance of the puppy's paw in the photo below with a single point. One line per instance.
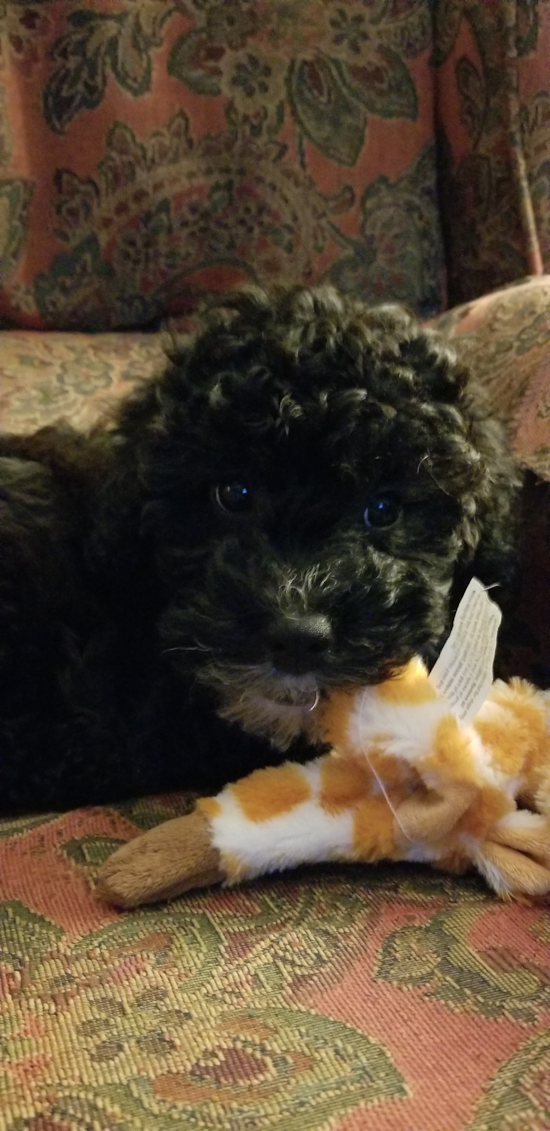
(515, 858)
(165, 862)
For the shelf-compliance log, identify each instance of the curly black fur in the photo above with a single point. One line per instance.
(296, 502)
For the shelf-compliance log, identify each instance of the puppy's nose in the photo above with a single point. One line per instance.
(298, 642)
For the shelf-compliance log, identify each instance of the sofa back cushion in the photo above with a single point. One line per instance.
(155, 150)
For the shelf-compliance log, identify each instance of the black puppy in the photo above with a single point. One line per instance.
(296, 503)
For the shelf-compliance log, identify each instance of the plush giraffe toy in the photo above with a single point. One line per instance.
(405, 781)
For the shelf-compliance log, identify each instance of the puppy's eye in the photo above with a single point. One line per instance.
(234, 497)
(383, 510)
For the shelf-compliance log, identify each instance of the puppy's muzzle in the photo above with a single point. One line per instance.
(298, 643)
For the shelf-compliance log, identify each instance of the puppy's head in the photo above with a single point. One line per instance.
(321, 480)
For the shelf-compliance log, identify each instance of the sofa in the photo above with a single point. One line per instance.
(153, 151)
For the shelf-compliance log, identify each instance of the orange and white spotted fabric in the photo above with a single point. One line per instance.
(405, 782)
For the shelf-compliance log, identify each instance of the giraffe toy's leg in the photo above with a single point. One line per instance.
(274, 819)
(515, 857)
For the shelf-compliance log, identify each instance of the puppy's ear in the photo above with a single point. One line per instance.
(490, 491)
(145, 413)
(492, 528)
(113, 547)
(139, 409)
(490, 488)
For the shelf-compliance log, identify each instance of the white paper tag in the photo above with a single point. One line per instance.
(464, 671)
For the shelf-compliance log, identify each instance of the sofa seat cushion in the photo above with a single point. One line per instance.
(350, 998)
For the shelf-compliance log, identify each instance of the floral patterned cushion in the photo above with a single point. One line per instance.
(152, 150)
(339, 999)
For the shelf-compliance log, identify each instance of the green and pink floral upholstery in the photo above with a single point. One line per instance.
(151, 150)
